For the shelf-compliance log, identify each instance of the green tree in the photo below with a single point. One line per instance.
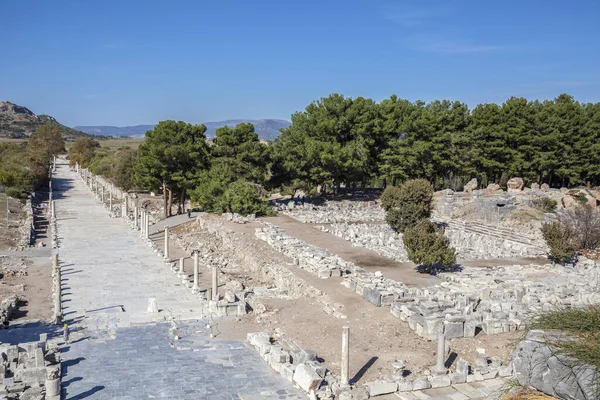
(427, 246)
(560, 238)
(125, 161)
(408, 204)
(172, 157)
(45, 143)
(83, 151)
(242, 198)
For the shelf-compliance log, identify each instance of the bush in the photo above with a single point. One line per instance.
(560, 237)
(584, 220)
(408, 204)
(241, 197)
(427, 246)
(209, 190)
(545, 204)
(13, 192)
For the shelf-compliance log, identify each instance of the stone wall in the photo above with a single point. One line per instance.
(311, 258)
(333, 211)
(538, 364)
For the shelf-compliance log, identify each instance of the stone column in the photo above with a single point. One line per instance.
(215, 294)
(124, 210)
(181, 272)
(52, 383)
(345, 355)
(53, 210)
(441, 354)
(147, 230)
(166, 242)
(195, 288)
(136, 212)
(58, 297)
(142, 223)
(102, 194)
(110, 201)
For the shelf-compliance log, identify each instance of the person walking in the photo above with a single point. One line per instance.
(189, 210)
(66, 333)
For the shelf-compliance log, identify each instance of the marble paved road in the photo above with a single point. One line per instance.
(120, 351)
(142, 363)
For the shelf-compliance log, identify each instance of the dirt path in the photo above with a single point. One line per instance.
(361, 256)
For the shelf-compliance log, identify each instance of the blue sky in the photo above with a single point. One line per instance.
(140, 61)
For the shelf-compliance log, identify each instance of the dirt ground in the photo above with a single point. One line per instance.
(377, 337)
(26, 273)
(10, 236)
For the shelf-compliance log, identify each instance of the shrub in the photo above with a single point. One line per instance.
(241, 197)
(584, 220)
(545, 204)
(408, 204)
(560, 237)
(427, 246)
(13, 192)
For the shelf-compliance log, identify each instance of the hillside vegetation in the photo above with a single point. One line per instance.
(19, 122)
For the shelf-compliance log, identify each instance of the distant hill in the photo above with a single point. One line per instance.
(19, 122)
(267, 129)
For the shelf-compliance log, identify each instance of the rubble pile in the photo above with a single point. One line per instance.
(30, 371)
(494, 300)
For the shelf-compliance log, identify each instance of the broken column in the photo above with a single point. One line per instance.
(147, 229)
(142, 224)
(166, 243)
(345, 355)
(53, 211)
(440, 367)
(195, 288)
(215, 295)
(152, 305)
(52, 383)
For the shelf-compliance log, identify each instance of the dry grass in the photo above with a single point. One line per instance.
(114, 144)
(526, 394)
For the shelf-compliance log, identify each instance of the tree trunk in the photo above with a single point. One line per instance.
(170, 205)
(164, 187)
(181, 207)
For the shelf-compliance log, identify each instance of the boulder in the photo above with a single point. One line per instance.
(535, 186)
(538, 364)
(471, 185)
(515, 184)
(545, 187)
(493, 187)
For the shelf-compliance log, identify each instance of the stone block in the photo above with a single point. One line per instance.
(421, 384)
(287, 371)
(457, 378)
(380, 388)
(439, 381)
(257, 338)
(319, 368)
(279, 355)
(470, 327)
(302, 356)
(371, 294)
(404, 385)
(306, 378)
(453, 330)
(31, 375)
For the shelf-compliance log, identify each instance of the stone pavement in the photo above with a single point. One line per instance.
(120, 351)
(143, 364)
(490, 389)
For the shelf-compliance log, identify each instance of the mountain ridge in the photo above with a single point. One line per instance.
(267, 128)
(19, 122)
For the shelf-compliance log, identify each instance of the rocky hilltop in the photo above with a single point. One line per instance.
(19, 122)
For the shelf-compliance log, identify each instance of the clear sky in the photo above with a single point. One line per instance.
(129, 62)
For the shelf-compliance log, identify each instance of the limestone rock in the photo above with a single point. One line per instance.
(535, 186)
(492, 187)
(545, 187)
(471, 185)
(537, 364)
(515, 184)
(306, 378)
